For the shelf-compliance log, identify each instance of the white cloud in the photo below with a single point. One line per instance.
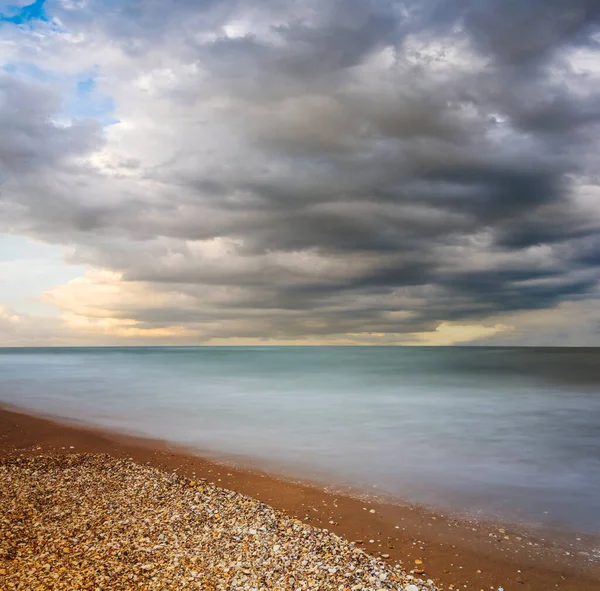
(453, 334)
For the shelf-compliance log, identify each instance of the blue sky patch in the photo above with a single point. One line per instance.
(19, 15)
(29, 71)
(87, 102)
(86, 86)
(27, 269)
(81, 97)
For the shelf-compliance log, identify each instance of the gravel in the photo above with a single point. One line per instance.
(99, 523)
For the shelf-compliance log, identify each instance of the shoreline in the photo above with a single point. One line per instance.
(454, 551)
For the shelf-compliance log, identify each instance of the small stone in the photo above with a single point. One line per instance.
(148, 529)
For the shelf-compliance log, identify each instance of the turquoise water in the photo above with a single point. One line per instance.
(506, 432)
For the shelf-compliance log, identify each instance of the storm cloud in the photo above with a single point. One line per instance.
(367, 170)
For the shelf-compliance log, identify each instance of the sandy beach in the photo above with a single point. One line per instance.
(399, 545)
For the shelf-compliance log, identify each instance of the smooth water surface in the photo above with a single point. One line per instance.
(507, 432)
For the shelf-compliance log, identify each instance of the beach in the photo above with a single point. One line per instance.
(403, 540)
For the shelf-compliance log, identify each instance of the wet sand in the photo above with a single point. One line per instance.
(453, 552)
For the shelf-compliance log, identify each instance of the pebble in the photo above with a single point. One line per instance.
(90, 521)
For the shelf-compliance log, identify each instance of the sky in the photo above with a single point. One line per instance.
(241, 172)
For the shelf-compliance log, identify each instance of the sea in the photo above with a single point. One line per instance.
(501, 433)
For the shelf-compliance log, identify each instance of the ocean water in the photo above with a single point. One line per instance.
(502, 432)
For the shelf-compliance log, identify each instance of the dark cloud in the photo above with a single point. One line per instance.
(517, 31)
(30, 139)
(340, 163)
